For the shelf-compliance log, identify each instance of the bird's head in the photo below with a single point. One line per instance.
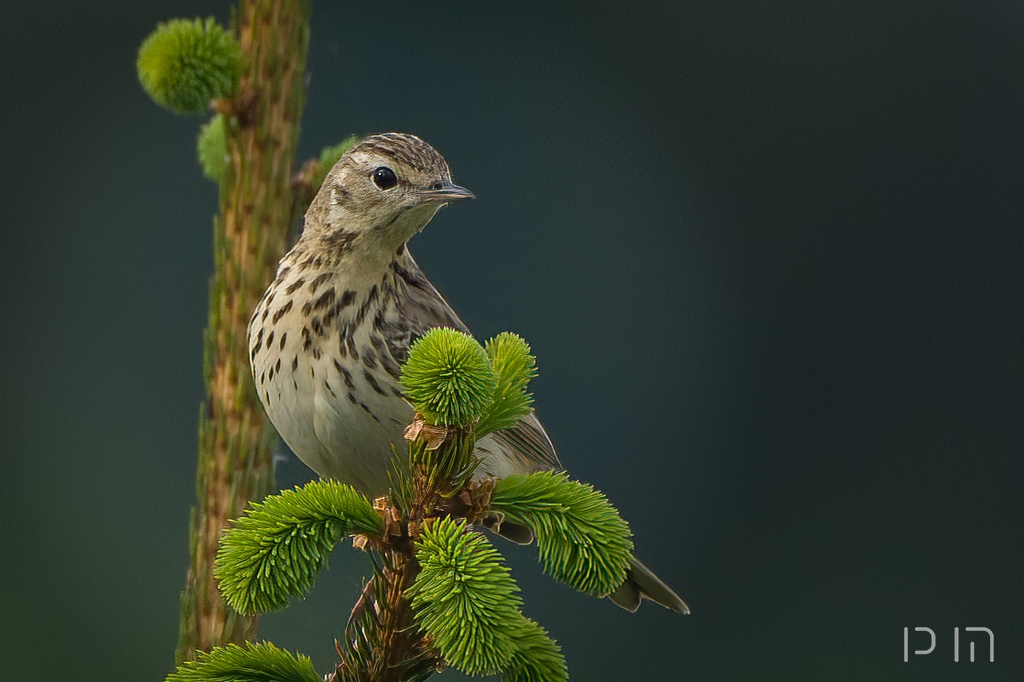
(383, 191)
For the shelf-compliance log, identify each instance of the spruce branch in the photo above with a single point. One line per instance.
(382, 643)
(276, 550)
(464, 604)
(184, 64)
(582, 540)
(440, 594)
(363, 632)
(465, 598)
(537, 657)
(247, 663)
(448, 377)
(514, 368)
(211, 148)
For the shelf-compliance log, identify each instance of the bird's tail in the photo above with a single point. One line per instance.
(513, 532)
(641, 584)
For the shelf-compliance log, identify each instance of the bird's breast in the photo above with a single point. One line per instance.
(323, 355)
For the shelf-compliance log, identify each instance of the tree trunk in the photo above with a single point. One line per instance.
(235, 438)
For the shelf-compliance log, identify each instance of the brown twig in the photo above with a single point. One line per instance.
(383, 643)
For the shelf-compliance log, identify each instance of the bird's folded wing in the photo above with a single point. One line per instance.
(528, 444)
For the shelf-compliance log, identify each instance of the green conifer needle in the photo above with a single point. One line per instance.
(583, 541)
(184, 64)
(537, 658)
(514, 367)
(276, 550)
(212, 148)
(247, 663)
(448, 377)
(465, 598)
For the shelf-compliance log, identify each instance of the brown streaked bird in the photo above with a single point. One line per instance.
(328, 339)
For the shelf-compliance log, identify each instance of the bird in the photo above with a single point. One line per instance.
(329, 337)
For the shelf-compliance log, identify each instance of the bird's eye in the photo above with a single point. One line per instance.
(384, 178)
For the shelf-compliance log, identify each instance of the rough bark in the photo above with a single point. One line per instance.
(235, 438)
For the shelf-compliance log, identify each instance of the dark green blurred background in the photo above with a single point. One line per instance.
(768, 255)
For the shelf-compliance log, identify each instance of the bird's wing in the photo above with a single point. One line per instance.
(421, 306)
(523, 448)
(528, 445)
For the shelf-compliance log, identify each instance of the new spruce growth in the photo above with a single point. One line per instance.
(189, 65)
(184, 64)
(212, 148)
(277, 549)
(440, 594)
(583, 541)
(251, 662)
(448, 378)
(464, 598)
(515, 368)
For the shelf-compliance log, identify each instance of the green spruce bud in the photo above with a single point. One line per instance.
(465, 598)
(252, 662)
(583, 541)
(276, 550)
(184, 64)
(212, 148)
(448, 377)
(537, 658)
(514, 367)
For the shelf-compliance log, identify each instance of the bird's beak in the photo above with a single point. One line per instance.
(446, 193)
